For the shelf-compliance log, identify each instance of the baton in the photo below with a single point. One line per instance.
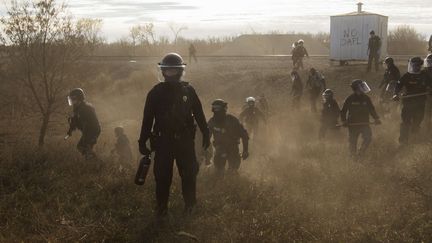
(356, 124)
(414, 95)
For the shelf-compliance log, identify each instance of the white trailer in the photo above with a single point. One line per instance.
(349, 35)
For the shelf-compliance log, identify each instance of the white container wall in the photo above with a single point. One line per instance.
(349, 35)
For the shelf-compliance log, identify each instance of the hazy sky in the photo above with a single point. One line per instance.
(231, 17)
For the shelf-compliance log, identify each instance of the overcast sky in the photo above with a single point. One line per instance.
(232, 17)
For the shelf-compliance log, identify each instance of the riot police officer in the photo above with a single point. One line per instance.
(170, 109)
(316, 85)
(355, 115)
(415, 84)
(84, 119)
(251, 116)
(329, 114)
(227, 131)
(391, 76)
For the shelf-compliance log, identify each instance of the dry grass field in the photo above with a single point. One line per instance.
(293, 188)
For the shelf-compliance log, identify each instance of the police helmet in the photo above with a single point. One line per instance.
(219, 105)
(415, 65)
(327, 94)
(360, 85)
(389, 61)
(250, 100)
(428, 61)
(172, 60)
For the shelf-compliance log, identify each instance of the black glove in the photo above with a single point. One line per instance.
(206, 141)
(245, 155)
(143, 148)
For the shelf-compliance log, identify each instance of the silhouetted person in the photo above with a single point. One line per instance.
(296, 89)
(192, 53)
(169, 113)
(227, 132)
(415, 84)
(374, 49)
(315, 85)
(84, 119)
(355, 115)
(122, 146)
(329, 114)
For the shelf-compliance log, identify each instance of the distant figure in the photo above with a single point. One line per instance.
(374, 51)
(263, 104)
(251, 116)
(355, 115)
(391, 77)
(330, 113)
(298, 53)
(122, 146)
(296, 90)
(316, 85)
(84, 119)
(430, 44)
(192, 53)
(227, 131)
(415, 86)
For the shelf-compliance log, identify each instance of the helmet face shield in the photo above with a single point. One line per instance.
(70, 101)
(428, 61)
(415, 65)
(364, 87)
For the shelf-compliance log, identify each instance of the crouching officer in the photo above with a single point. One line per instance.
(84, 119)
(355, 115)
(170, 109)
(415, 84)
(227, 132)
(330, 113)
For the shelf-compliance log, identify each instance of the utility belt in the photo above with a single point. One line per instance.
(188, 132)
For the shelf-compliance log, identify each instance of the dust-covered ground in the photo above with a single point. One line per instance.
(292, 188)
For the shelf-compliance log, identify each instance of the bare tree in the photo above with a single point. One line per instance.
(44, 47)
(176, 30)
(142, 34)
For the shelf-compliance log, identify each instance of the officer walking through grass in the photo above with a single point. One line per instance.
(169, 113)
(227, 131)
(252, 117)
(415, 85)
(391, 77)
(316, 85)
(329, 114)
(84, 119)
(355, 115)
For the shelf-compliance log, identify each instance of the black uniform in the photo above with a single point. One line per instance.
(169, 114)
(123, 149)
(413, 108)
(355, 112)
(296, 92)
(251, 116)
(227, 133)
(329, 116)
(428, 110)
(85, 119)
(316, 85)
(374, 47)
(298, 53)
(388, 84)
